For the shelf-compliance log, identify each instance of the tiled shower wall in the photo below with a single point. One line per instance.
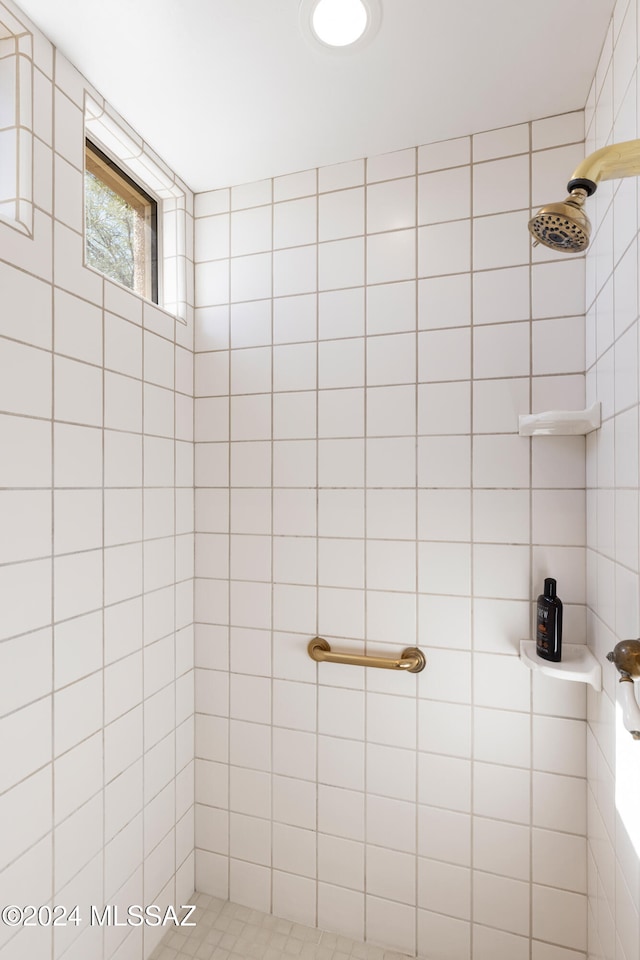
(612, 500)
(366, 336)
(96, 568)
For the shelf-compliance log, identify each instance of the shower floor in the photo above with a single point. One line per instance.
(228, 931)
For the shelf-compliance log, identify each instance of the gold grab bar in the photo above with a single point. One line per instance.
(412, 659)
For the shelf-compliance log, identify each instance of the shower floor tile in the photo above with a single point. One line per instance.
(228, 931)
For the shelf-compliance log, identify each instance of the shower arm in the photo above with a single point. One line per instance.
(614, 162)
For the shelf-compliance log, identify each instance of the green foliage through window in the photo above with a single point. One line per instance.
(120, 225)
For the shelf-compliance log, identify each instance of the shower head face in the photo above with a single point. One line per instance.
(562, 226)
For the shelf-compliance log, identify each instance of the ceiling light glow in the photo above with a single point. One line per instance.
(339, 22)
(339, 26)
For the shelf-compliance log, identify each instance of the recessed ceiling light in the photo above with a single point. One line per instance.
(340, 25)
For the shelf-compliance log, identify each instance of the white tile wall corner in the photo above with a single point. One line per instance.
(96, 566)
(366, 336)
(612, 495)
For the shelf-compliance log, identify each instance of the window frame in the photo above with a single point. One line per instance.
(116, 179)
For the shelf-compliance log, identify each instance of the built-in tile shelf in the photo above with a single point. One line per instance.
(556, 423)
(578, 663)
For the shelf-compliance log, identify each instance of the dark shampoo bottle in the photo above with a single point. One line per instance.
(549, 623)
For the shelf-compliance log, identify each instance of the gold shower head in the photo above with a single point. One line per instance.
(563, 226)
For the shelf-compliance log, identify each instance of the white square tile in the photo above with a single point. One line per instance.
(444, 728)
(341, 861)
(558, 289)
(444, 248)
(294, 753)
(74, 380)
(390, 874)
(250, 324)
(500, 296)
(294, 185)
(251, 194)
(341, 563)
(499, 241)
(391, 514)
(444, 302)
(249, 604)
(444, 355)
(391, 771)
(341, 763)
(340, 413)
(501, 350)
(444, 154)
(559, 916)
(501, 792)
(250, 558)
(444, 568)
(445, 782)
(340, 263)
(250, 232)
(501, 185)
(446, 937)
(341, 314)
(339, 176)
(212, 238)
(558, 346)
(294, 463)
(391, 307)
(548, 169)
(250, 370)
(501, 848)
(385, 166)
(122, 403)
(251, 417)
(341, 214)
(501, 516)
(444, 515)
(501, 142)
(559, 517)
(294, 271)
(294, 367)
(294, 318)
(250, 464)
(444, 835)
(445, 195)
(391, 205)
(552, 131)
(500, 461)
(391, 462)
(391, 565)
(501, 571)
(445, 887)
(391, 359)
(341, 614)
(294, 223)
(501, 902)
(294, 850)
(294, 560)
(250, 277)
(444, 462)
(341, 463)
(77, 328)
(391, 411)
(294, 415)
(497, 404)
(391, 256)
(212, 283)
(341, 363)
(294, 608)
(294, 512)
(341, 513)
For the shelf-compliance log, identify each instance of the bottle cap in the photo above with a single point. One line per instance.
(550, 588)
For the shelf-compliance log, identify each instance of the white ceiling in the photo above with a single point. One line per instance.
(229, 91)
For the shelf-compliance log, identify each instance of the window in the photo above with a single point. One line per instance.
(120, 225)
(16, 139)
